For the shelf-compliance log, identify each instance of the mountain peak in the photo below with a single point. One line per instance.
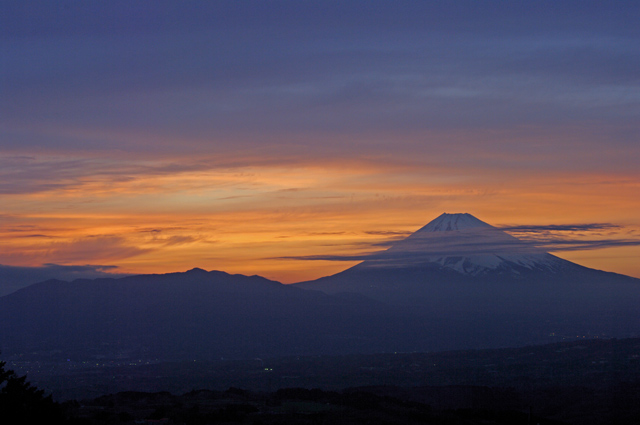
(451, 222)
(197, 271)
(465, 244)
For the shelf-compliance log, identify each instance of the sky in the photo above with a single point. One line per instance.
(289, 139)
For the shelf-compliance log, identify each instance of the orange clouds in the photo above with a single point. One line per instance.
(192, 146)
(155, 218)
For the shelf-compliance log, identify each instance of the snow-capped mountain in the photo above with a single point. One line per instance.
(462, 243)
(461, 263)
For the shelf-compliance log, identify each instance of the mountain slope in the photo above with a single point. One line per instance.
(460, 268)
(462, 243)
(453, 249)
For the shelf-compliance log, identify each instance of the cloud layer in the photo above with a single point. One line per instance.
(539, 239)
(253, 130)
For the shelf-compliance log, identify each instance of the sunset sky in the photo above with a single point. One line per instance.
(246, 136)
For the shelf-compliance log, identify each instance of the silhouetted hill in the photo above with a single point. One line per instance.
(191, 315)
(448, 286)
(582, 382)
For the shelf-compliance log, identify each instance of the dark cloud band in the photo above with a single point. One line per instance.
(585, 227)
(443, 247)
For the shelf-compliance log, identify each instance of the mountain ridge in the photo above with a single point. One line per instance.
(399, 303)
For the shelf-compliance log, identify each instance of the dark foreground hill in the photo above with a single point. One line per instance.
(581, 382)
(298, 406)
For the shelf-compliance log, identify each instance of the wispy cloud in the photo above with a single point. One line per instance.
(36, 235)
(24, 175)
(177, 240)
(442, 244)
(105, 248)
(543, 229)
(558, 244)
(387, 233)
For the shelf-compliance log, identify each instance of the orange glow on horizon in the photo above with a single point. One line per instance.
(243, 220)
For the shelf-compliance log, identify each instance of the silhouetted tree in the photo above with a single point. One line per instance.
(22, 403)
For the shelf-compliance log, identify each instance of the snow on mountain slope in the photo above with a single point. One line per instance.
(469, 246)
(451, 222)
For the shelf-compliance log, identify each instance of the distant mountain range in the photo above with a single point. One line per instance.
(456, 283)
